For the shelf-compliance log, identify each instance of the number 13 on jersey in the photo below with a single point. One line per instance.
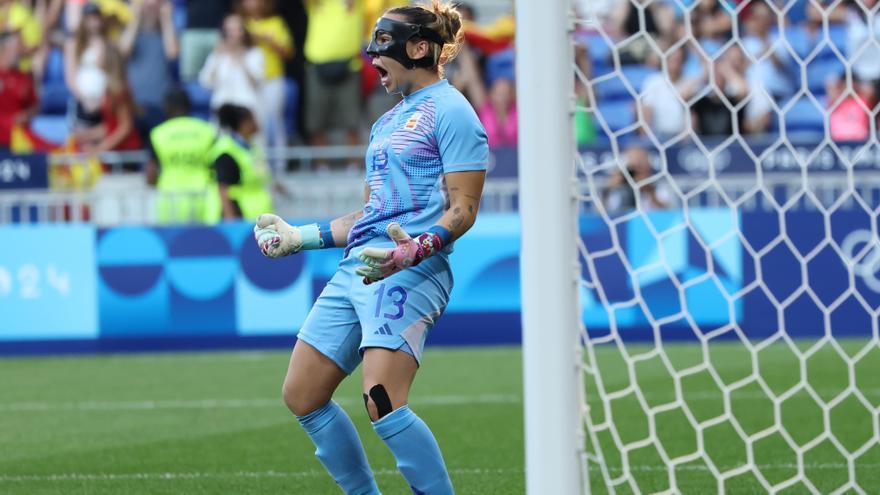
(396, 298)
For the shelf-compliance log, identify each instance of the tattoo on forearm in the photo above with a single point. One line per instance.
(457, 219)
(348, 221)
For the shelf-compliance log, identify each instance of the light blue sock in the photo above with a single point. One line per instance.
(340, 449)
(417, 453)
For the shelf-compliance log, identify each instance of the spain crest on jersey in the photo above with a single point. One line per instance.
(413, 121)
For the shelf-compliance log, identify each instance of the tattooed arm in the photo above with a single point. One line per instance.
(465, 189)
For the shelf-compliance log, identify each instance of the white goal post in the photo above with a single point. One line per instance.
(701, 279)
(545, 87)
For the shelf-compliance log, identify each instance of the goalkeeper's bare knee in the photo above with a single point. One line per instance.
(302, 399)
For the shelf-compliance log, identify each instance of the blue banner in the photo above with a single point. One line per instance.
(24, 171)
(737, 157)
(48, 283)
(695, 274)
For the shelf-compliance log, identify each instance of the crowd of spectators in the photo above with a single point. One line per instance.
(722, 67)
(714, 68)
(95, 73)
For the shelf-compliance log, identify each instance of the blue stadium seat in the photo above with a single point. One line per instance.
(804, 117)
(617, 114)
(612, 90)
(54, 71)
(636, 75)
(52, 128)
(818, 72)
(55, 95)
(600, 53)
(799, 40)
(179, 16)
(54, 99)
(837, 35)
(500, 65)
(798, 12)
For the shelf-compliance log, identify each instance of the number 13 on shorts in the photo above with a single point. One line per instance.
(390, 301)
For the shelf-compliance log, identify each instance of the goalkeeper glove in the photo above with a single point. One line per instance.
(382, 263)
(277, 238)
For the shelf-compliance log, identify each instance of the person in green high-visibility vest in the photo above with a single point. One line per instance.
(181, 164)
(242, 179)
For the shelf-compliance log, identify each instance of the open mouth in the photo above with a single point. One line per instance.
(383, 74)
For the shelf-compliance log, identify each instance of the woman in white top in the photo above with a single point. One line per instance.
(234, 70)
(862, 31)
(85, 57)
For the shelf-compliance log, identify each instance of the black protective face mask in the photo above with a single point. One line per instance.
(401, 33)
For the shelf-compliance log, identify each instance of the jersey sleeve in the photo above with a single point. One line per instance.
(461, 139)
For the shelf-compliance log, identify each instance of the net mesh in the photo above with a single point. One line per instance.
(729, 251)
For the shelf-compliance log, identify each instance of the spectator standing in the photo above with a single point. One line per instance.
(181, 165)
(234, 70)
(769, 52)
(17, 17)
(767, 74)
(862, 31)
(18, 98)
(333, 46)
(117, 131)
(201, 34)
(711, 23)
(850, 118)
(116, 13)
(663, 97)
(48, 15)
(242, 178)
(495, 106)
(271, 35)
(86, 56)
(625, 23)
(498, 113)
(623, 193)
(148, 45)
(714, 113)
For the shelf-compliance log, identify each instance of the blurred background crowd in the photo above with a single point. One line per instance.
(95, 76)
(720, 68)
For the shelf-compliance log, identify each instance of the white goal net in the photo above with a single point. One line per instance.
(729, 179)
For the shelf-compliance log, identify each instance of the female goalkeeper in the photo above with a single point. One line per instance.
(426, 165)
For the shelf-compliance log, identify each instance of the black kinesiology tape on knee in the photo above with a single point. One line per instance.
(382, 401)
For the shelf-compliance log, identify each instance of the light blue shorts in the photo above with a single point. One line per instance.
(395, 313)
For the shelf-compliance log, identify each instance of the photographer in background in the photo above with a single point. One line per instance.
(620, 195)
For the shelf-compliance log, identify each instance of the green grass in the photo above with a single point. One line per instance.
(214, 423)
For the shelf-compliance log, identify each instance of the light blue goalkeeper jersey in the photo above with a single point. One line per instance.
(433, 131)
